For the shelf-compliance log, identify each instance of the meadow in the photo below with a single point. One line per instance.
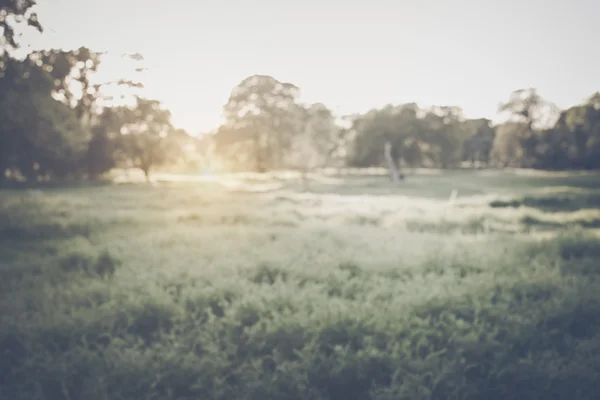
(449, 285)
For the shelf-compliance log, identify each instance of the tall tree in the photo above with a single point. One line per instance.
(263, 113)
(527, 107)
(144, 139)
(39, 136)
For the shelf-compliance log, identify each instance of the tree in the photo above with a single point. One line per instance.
(507, 149)
(183, 150)
(104, 147)
(317, 142)
(326, 135)
(15, 13)
(39, 136)
(577, 133)
(262, 116)
(144, 135)
(395, 128)
(535, 114)
(443, 131)
(73, 76)
(68, 76)
(526, 105)
(594, 101)
(74, 83)
(478, 146)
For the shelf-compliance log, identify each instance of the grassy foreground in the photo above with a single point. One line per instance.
(354, 289)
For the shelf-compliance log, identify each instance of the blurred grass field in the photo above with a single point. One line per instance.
(256, 287)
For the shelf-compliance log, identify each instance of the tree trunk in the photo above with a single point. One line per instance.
(146, 173)
(393, 168)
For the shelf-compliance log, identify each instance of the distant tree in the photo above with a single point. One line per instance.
(508, 148)
(556, 151)
(535, 114)
(183, 150)
(236, 149)
(526, 105)
(594, 101)
(577, 136)
(262, 116)
(105, 146)
(443, 131)
(478, 146)
(100, 156)
(316, 142)
(397, 128)
(144, 136)
(406, 134)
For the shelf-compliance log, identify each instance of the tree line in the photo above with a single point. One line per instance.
(57, 122)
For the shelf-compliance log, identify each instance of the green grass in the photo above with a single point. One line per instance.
(254, 289)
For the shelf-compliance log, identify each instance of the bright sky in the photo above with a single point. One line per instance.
(349, 55)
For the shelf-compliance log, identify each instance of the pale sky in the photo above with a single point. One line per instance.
(350, 55)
